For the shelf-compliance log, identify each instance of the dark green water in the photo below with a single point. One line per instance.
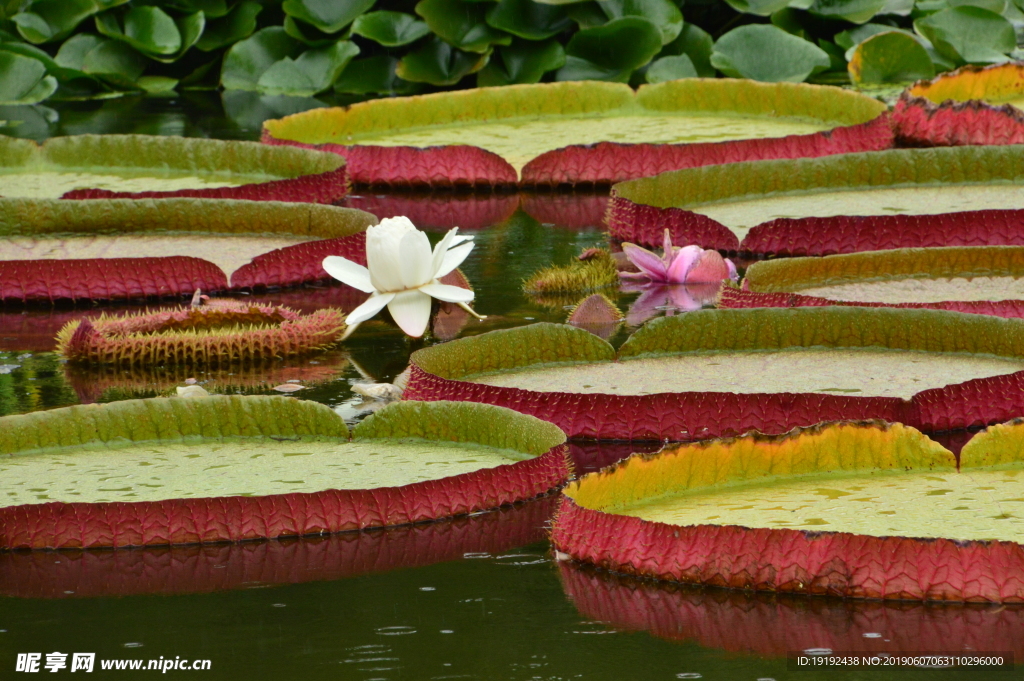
(473, 598)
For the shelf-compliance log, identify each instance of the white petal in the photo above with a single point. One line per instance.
(442, 246)
(411, 310)
(453, 258)
(348, 272)
(383, 258)
(448, 293)
(370, 307)
(414, 252)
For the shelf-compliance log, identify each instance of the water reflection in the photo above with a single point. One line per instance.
(255, 565)
(440, 211)
(776, 625)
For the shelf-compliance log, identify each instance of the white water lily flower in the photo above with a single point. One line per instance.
(402, 273)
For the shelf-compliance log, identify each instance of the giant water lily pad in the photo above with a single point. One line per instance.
(126, 248)
(139, 472)
(775, 625)
(972, 105)
(95, 166)
(714, 373)
(856, 510)
(717, 206)
(985, 280)
(500, 132)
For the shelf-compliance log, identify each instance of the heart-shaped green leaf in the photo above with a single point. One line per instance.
(695, 43)
(767, 53)
(147, 29)
(330, 16)
(238, 24)
(969, 34)
(891, 57)
(373, 75)
(48, 20)
(23, 80)
(438, 63)
(247, 60)
(462, 24)
(857, 11)
(670, 68)
(760, 7)
(615, 49)
(521, 62)
(314, 71)
(528, 19)
(391, 29)
(662, 13)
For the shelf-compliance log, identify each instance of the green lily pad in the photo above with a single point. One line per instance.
(767, 53)
(904, 182)
(313, 71)
(521, 122)
(969, 34)
(24, 80)
(695, 43)
(140, 163)
(150, 30)
(462, 24)
(524, 61)
(249, 59)
(373, 75)
(44, 21)
(889, 57)
(637, 41)
(327, 15)
(115, 62)
(230, 28)
(528, 19)
(391, 29)
(899, 276)
(664, 14)
(156, 453)
(671, 68)
(438, 63)
(857, 11)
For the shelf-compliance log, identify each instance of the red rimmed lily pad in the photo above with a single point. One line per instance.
(862, 510)
(220, 567)
(715, 373)
(211, 335)
(972, 105)
(899, 198)
(37, 236)
(144, 166)
(285, 468)
(979, 280)
(495, 133)
(777, 625)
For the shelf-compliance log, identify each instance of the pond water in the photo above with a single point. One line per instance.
(471, 598)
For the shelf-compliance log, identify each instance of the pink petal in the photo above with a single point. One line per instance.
(710, 268)
(682, 262)
(649, 263)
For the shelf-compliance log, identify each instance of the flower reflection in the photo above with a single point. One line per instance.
(667, 298)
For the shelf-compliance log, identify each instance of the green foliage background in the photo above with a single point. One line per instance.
(82, 49)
